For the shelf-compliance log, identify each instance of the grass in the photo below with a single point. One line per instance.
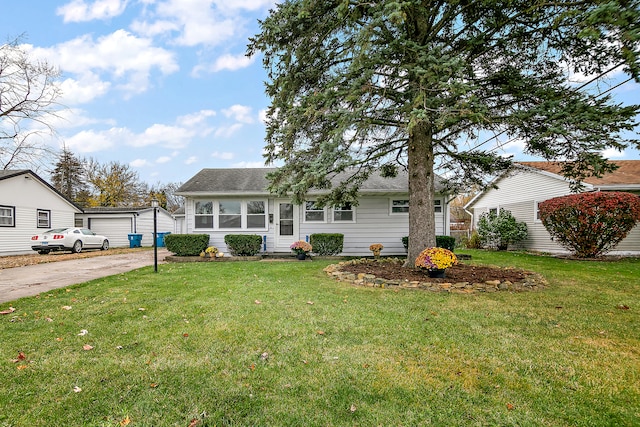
(255, 343)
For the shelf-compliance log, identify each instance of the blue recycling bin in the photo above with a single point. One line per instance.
(135, 240)
(160, 238)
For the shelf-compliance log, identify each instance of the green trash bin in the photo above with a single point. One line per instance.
(135, 240)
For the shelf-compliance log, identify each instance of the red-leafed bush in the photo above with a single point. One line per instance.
(590, 224)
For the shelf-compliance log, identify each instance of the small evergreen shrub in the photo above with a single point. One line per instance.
(243, 244)
(327, 244)
(446, 242)
(590, 224)
(186, 244)
(498, 231)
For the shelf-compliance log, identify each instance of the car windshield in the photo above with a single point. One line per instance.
(56, 230)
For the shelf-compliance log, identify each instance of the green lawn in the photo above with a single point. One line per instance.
(279, 343)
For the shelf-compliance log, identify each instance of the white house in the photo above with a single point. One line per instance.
(529, 183)
(235, 201)
(118, 223)
(28, 206)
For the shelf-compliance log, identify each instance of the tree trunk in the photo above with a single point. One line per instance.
(422, 229)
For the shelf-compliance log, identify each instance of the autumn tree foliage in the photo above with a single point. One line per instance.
(590, 224)
(379, 86)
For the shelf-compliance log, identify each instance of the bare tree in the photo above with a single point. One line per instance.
(28, 94)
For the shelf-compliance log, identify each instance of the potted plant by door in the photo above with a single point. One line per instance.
(301, 249)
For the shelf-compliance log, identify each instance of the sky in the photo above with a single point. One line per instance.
(163, 85)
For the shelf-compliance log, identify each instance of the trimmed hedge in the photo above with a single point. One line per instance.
(186, 244)
(590, 224)
(327, 243)
(243, 244)
(446, 242)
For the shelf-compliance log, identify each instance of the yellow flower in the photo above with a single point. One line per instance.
(376, 247)
(211, 250)
(436, 259)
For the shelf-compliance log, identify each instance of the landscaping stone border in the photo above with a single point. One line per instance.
(532, 282)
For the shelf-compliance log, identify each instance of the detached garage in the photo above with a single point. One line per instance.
(117, 223)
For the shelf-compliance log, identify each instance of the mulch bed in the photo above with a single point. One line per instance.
(457, 273)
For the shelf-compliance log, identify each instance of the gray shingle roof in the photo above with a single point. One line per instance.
(254, 181)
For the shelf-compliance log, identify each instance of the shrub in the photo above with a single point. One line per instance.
(326, 244)
(472, 242)
(186, 244)
(497, 231)
(243, 244)
(590, 224)
(446, 242)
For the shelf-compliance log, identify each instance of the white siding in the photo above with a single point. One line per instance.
(27, 194)
(115, 229)
(520, 192)
(373, 224)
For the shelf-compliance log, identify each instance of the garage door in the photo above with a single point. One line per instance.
(115, 229)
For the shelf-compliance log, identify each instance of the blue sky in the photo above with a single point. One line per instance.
(162, 85)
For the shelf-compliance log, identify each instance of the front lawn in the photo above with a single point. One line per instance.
(279, 343)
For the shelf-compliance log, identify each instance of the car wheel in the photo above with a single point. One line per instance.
(105, 245)
(44, 252)
(77, 247)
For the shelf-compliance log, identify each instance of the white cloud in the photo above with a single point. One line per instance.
(227, 131)
(163, 159)
(240, 113)
(196, 119)
(191, 160)
(81, 11)
(90, 141)
(248, 165)
(83, 90)
(244, 4)
(225, 62)
(612, 153)
(121, 56)
(262, 116)
(139, 163)
(196, 21)
(222, 156)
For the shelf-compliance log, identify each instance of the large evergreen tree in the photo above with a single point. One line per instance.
(68, 176)
(361, 86)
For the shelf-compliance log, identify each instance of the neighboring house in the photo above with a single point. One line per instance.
(117, 223)
(28, 206)
(529, 183)
(235, 201)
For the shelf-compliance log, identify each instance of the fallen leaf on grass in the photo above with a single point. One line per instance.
(8, 311)
(58, 339)
(622, 307)
(20, 357)
(66, 307)
(153, 385)
(264, 356)
(83, 332)
(126, 421)
(310, 302)
(185, 335)
(48, 319)
(77, 389)
(352, 408)
(510, 407)
(194, 422)
(252, 367)
(21, 367)
(87, 347)
(258, 301)
(320, 332)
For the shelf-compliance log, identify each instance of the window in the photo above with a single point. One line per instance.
(343, 213)
(437, 206)
(44, 218)
(204, 215)
(312, 212)
(399, 206)
(78, 222)
(493, 210)
(230, 214)
(7, 216)
(256, 214)
(536, 211)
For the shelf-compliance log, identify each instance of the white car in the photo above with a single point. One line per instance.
(68, 239)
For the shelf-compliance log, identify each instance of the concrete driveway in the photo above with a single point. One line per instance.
(31, 280)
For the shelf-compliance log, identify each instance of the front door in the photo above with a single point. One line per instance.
(286, 223)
